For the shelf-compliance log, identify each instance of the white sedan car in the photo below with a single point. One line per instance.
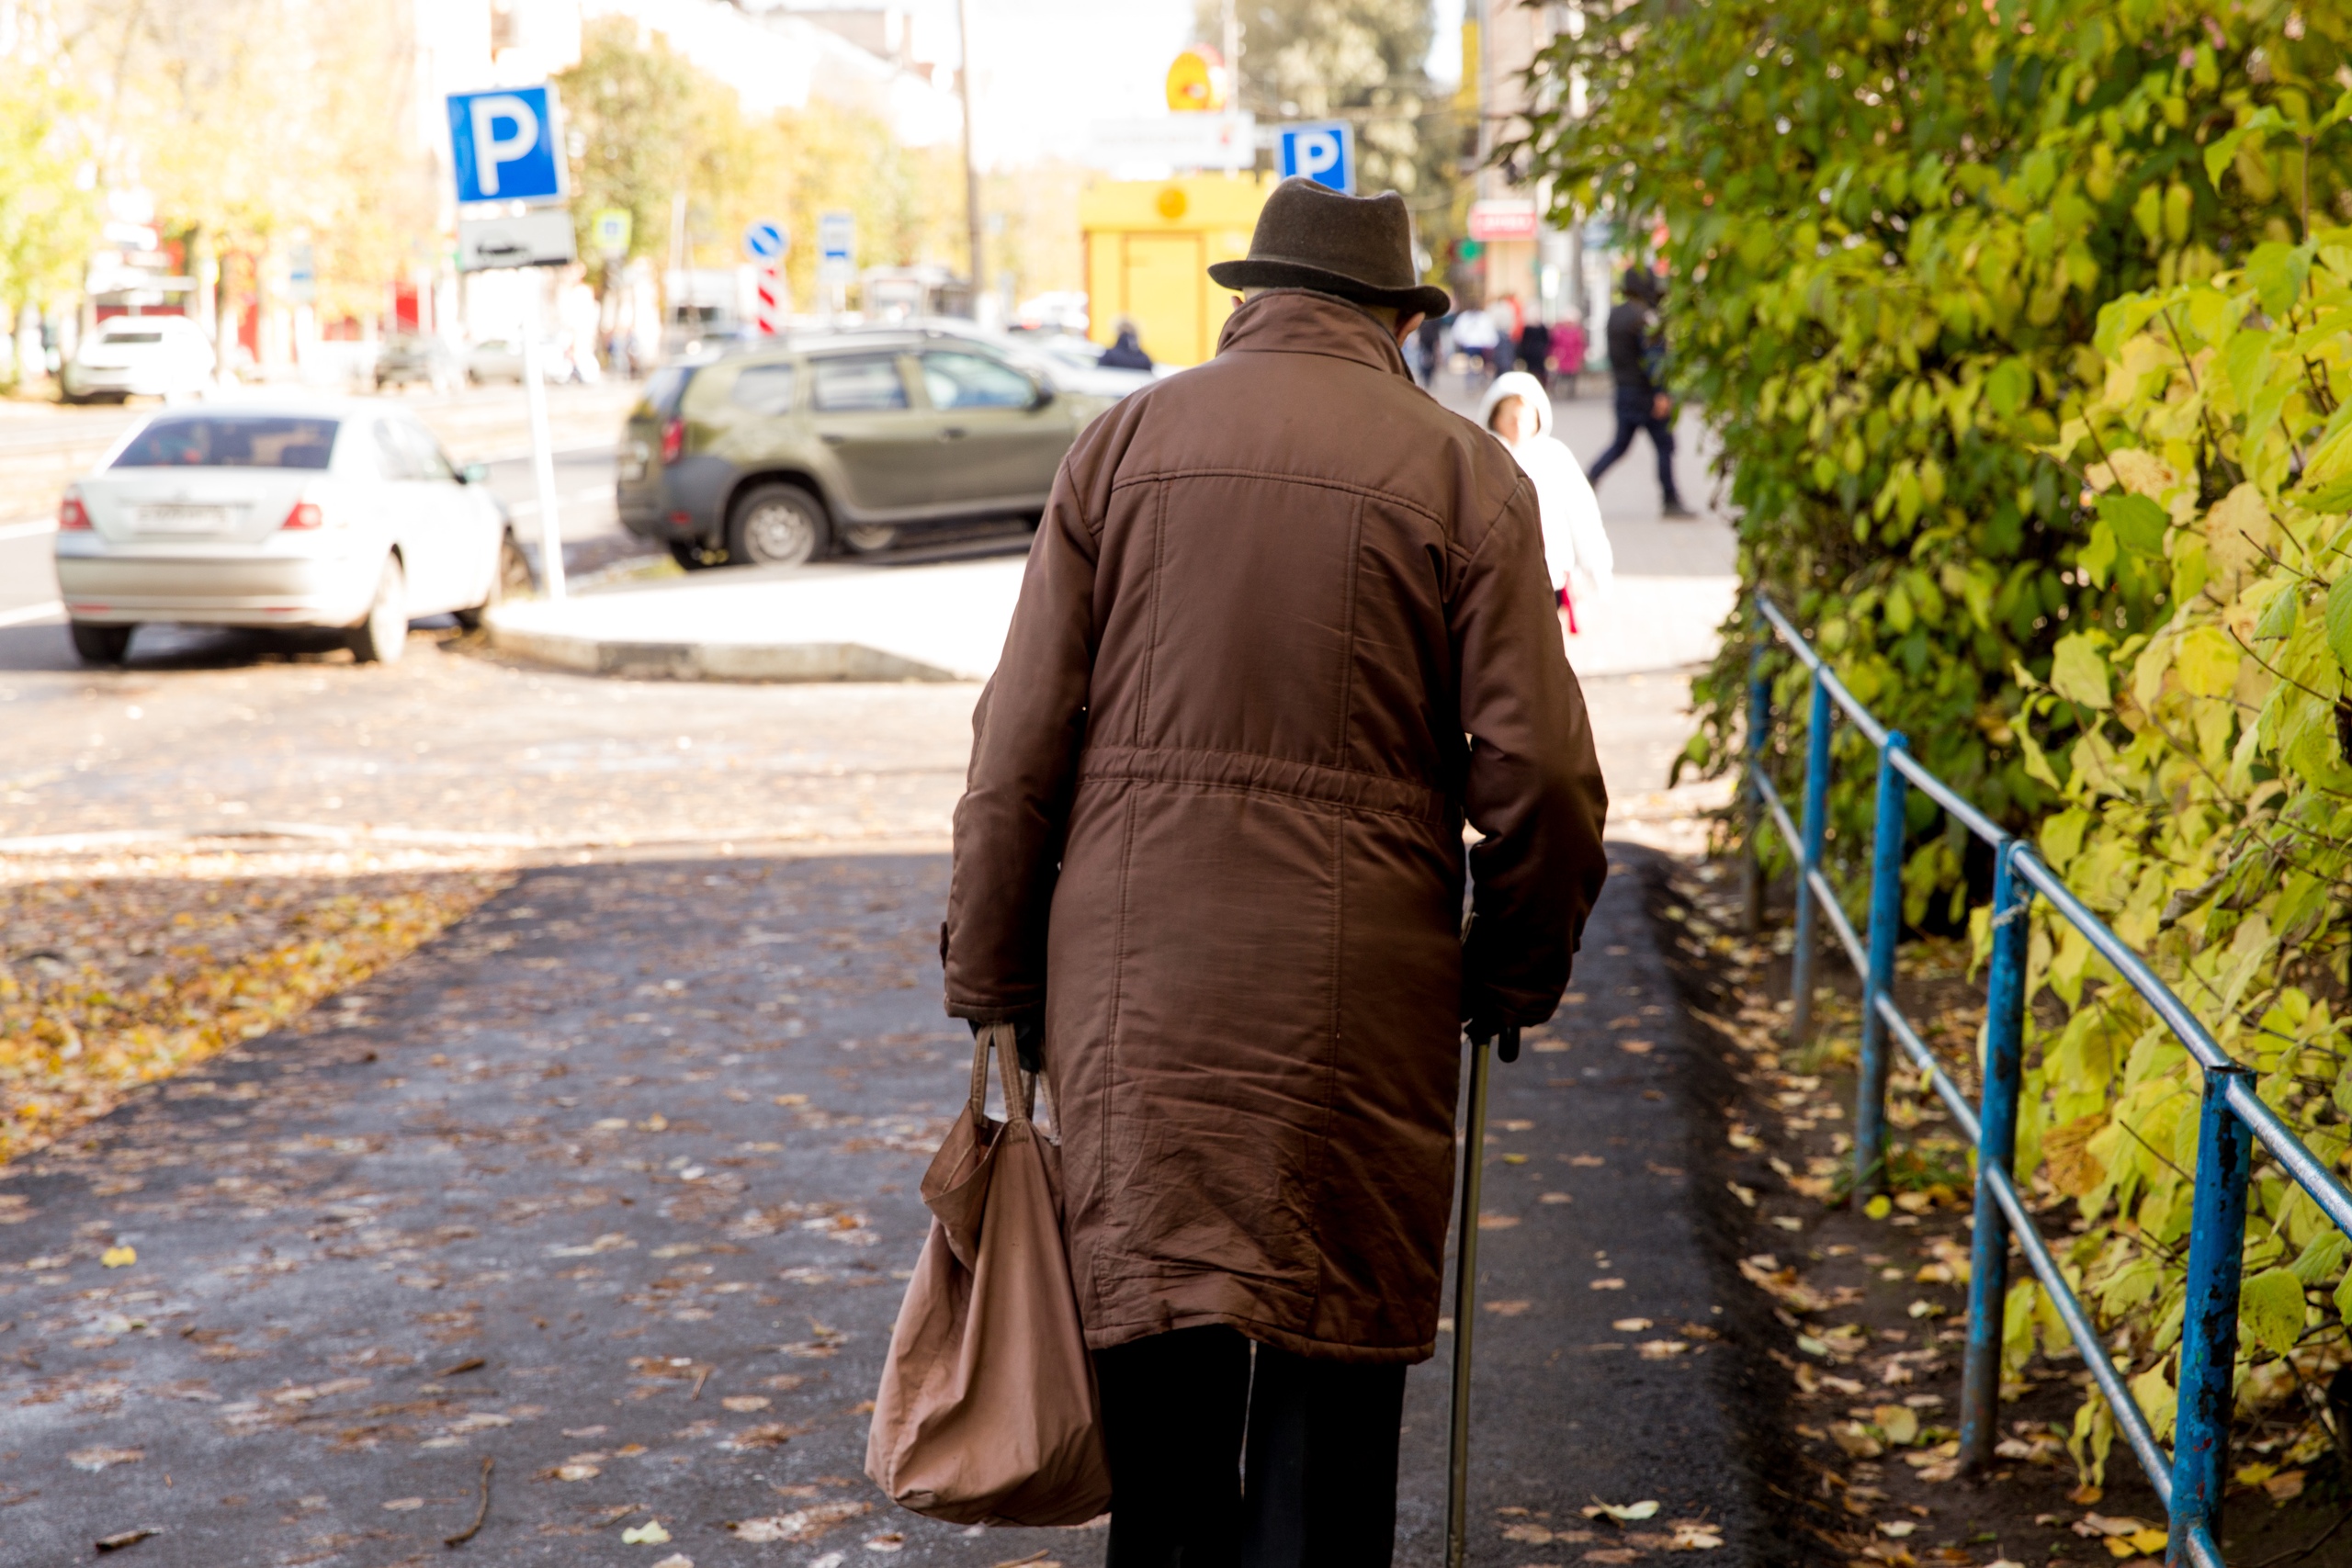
(159, 356)
(342, 515)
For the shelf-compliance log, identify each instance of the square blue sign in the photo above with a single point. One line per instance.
(507, 145)
(1325, 151)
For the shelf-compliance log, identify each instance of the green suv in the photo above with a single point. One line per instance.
(776, 455)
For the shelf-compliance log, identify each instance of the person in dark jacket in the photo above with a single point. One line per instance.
(1536, 353)
(1125, 351)
(1286, 627)
(1637, 360)
(1430, 336)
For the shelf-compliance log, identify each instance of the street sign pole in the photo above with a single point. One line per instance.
(535, 395)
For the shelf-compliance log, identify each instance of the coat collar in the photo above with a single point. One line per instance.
(1299, 320)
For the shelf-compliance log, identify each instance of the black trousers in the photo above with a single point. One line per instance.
(1634, 416)
(1218, 1464)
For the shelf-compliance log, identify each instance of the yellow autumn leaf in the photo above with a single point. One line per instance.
(2208, 661)
(120, 1256)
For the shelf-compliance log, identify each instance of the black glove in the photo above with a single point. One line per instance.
(1028, 1041)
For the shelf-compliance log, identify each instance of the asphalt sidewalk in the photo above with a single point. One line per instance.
(614, 1184)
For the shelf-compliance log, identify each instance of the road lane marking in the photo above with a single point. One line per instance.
(23, 613)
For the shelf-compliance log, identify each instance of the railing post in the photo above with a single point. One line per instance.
(1816, 829)
(1759, 720)
(1996, 1145)
(2209, 1337)
(1887, 924)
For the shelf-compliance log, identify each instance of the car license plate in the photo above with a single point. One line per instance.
(183, 519)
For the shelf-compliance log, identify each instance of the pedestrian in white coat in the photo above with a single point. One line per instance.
(1518, 411)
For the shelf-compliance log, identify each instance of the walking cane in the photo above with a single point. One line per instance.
(1465, 1291)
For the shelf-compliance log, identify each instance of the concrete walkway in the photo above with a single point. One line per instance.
(611, 1190)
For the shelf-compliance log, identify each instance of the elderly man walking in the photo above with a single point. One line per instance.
(1286, 626)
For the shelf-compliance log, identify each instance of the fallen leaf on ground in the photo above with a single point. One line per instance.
(1508, 1309)
(1895, 1529)
(742, 1402)
(1899, 1421)
(2285, 1485)
(1659, 1349)
(1531, 1535)
(650, 1533)
(120, 1256)
(1695, 1535)
(1497, 1222)
(1609, 1284)
(1623, 1513)
(1556, 1198)
(801, 1525)
(121, 1539)
(675, 1560)
(1611, 1554)
(1630, 1325)
(402, 1504)
(579, 1472)
(95, 1459)
(888, 1541)
(1637, 1048)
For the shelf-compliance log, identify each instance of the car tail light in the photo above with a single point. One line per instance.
(305, 514)
(72, 516)
(673, 440)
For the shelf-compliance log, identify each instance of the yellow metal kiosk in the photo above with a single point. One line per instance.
(1149, 244)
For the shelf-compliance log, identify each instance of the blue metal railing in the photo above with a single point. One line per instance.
(2233, 1118)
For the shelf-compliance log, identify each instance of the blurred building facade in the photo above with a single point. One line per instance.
(1523, 262)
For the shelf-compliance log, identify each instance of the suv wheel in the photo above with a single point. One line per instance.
(776, 525)
(101, 644)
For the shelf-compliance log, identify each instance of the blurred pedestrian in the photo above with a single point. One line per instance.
(1283, 635)
(1518, 410)
(1476, 334)
(1636, 363)
(1125, 351)
(1568, 348)
(1431, 339)
(1536, 353)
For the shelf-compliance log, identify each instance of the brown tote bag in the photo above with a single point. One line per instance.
(987, 1412)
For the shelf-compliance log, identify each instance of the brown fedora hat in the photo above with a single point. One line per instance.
(1358, 247)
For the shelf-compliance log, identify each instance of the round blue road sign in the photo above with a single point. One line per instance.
(764, 241)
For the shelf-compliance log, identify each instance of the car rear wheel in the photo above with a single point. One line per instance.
(513, 580)
(382, 638)
(102, 645)
(867, 537)
(776, 525)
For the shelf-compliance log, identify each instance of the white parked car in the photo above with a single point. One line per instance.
(316, 514)
(494, 360)
(161, 357)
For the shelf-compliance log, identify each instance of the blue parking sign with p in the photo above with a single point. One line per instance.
(1323, 152)
(505, 145)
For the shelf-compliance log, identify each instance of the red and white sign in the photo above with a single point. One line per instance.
(1506, 218)
(775, 299)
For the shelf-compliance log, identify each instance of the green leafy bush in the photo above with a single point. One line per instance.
(2206, 802)
(2036, 410)
(1891, 228)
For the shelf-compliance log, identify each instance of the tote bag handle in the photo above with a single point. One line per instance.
(1020, 1088)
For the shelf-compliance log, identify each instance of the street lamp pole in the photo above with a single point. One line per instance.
(971, 169)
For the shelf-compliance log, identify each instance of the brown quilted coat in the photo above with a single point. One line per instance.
(1269, 598)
